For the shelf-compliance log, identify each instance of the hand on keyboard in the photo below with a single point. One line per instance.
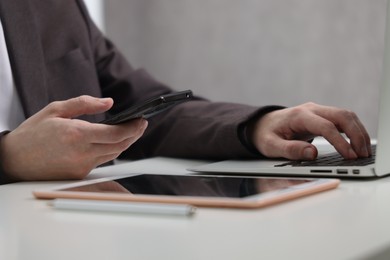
(286, 132)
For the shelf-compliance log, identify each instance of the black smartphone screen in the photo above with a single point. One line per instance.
(150, 107)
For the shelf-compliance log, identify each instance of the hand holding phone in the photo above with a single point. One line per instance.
(150, 107)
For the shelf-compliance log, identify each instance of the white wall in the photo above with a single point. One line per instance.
(96, 10)
(259, 51)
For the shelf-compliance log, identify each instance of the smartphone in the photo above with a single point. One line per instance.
(150, 107)
(196, 190)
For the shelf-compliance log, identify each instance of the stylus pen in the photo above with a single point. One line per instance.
(124, 207)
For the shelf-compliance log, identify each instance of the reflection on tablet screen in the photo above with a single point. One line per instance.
(191, 185)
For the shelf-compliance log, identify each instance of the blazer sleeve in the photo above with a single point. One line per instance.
(198, 129)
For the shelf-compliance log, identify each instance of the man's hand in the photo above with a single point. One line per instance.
(284, 133)
(51, 145)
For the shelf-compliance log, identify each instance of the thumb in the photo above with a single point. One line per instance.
(300, 150)
(294, 149)
(82, 105)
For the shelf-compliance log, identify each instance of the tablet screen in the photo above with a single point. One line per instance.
(191, 185)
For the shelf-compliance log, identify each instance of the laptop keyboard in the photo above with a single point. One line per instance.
(333, 159)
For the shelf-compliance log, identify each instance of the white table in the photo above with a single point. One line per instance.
(351, 222)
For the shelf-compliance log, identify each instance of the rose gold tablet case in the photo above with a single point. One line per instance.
(196, 201)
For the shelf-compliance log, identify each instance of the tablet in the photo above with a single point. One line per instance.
(197, 190)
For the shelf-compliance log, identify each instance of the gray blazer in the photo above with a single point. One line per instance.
(57, 53)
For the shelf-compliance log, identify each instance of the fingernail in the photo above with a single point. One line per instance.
(104, 100)
(308, 153)
(143, 124)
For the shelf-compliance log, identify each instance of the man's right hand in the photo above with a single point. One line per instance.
(285, 133)
(52, 145)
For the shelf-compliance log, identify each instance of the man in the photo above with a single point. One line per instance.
(67, 75)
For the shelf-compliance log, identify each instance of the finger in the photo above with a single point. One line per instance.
(367, 138)
(82, 105)
(290, 149)
(360, 139)
(350, 124)
(298, 150)
(98, 150)
(322, 127)
(108, 134)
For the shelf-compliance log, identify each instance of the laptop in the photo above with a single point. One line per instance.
(376, 166)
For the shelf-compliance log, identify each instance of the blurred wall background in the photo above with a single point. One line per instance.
(258, 51)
